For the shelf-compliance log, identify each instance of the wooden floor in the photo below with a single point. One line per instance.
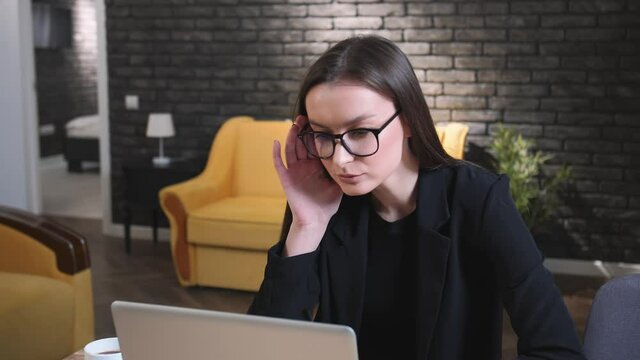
(147, 275)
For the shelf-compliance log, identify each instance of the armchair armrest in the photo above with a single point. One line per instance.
(214, 183)
(176, 202)
(70, 248)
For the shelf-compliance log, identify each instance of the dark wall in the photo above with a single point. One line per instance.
(66, 77)
(566, 73)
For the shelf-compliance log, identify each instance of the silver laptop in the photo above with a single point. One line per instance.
(156, 332)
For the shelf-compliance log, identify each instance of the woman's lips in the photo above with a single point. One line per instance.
(350, 178)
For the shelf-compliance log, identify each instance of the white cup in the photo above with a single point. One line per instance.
(103, 350)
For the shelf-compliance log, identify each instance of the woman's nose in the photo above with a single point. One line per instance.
(341, 155)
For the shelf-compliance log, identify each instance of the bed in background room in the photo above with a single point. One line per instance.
(82, 141)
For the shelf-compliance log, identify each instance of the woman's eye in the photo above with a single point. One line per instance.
(322, 137)
(354, 134)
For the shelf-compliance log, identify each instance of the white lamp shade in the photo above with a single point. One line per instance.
(160, 125)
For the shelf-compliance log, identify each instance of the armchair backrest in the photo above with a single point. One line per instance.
(254, 174)
(240, 162)
(453, 137)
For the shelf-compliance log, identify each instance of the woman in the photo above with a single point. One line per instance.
(416, 251)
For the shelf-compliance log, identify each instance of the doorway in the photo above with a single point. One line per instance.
(70, 127)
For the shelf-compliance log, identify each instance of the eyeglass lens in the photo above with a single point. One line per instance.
(359, 142)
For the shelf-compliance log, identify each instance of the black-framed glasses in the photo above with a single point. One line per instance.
(358, 142)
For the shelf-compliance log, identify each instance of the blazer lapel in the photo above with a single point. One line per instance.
(432, 253)
(347, 261)
(347, 257)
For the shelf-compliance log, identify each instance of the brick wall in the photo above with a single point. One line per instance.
(566, 73)
(66, 77)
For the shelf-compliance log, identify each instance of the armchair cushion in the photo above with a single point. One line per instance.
(246, 222)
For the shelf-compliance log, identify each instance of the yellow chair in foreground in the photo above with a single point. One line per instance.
(46, 302)
(224, 220)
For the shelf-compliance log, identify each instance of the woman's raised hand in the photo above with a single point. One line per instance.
(312, 196)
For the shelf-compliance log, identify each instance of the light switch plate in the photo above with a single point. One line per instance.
(131, 102)
(47, 130)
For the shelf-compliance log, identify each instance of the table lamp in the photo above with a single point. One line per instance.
(160, 125)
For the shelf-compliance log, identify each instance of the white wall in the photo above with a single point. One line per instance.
(103, 112)
(19, 183)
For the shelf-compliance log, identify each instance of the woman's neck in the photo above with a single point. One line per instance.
(396, 197)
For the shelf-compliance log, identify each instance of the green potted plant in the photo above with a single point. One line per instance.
(535, 195)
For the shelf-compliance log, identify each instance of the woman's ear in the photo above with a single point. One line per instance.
(406, 129)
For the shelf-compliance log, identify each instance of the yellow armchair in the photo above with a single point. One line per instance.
(224, 220)
(453, 137)
(46, 307)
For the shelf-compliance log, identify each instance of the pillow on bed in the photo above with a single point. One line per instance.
(84, 127)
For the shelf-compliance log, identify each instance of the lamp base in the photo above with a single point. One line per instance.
(161, 161)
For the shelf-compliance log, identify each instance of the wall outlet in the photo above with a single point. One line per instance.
(131, 102)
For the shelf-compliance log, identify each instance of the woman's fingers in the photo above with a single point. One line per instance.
(277, 161)
(290, 146)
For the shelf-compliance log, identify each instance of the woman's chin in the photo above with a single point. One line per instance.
(355, 189)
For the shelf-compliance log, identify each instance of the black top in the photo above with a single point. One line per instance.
(388, 328)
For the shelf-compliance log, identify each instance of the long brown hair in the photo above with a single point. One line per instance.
(379, 64)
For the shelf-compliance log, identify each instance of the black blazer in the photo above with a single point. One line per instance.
(475, 255)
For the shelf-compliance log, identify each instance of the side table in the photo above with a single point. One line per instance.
(142, 182)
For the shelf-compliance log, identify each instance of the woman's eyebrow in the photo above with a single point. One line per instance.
(356, 119)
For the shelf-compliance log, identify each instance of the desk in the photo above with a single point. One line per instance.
(143, 181)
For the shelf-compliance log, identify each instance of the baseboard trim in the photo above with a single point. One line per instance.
(594, 268)
(52, 162)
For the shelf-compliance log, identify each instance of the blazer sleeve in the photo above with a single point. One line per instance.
(290, 288)
(536, 308)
